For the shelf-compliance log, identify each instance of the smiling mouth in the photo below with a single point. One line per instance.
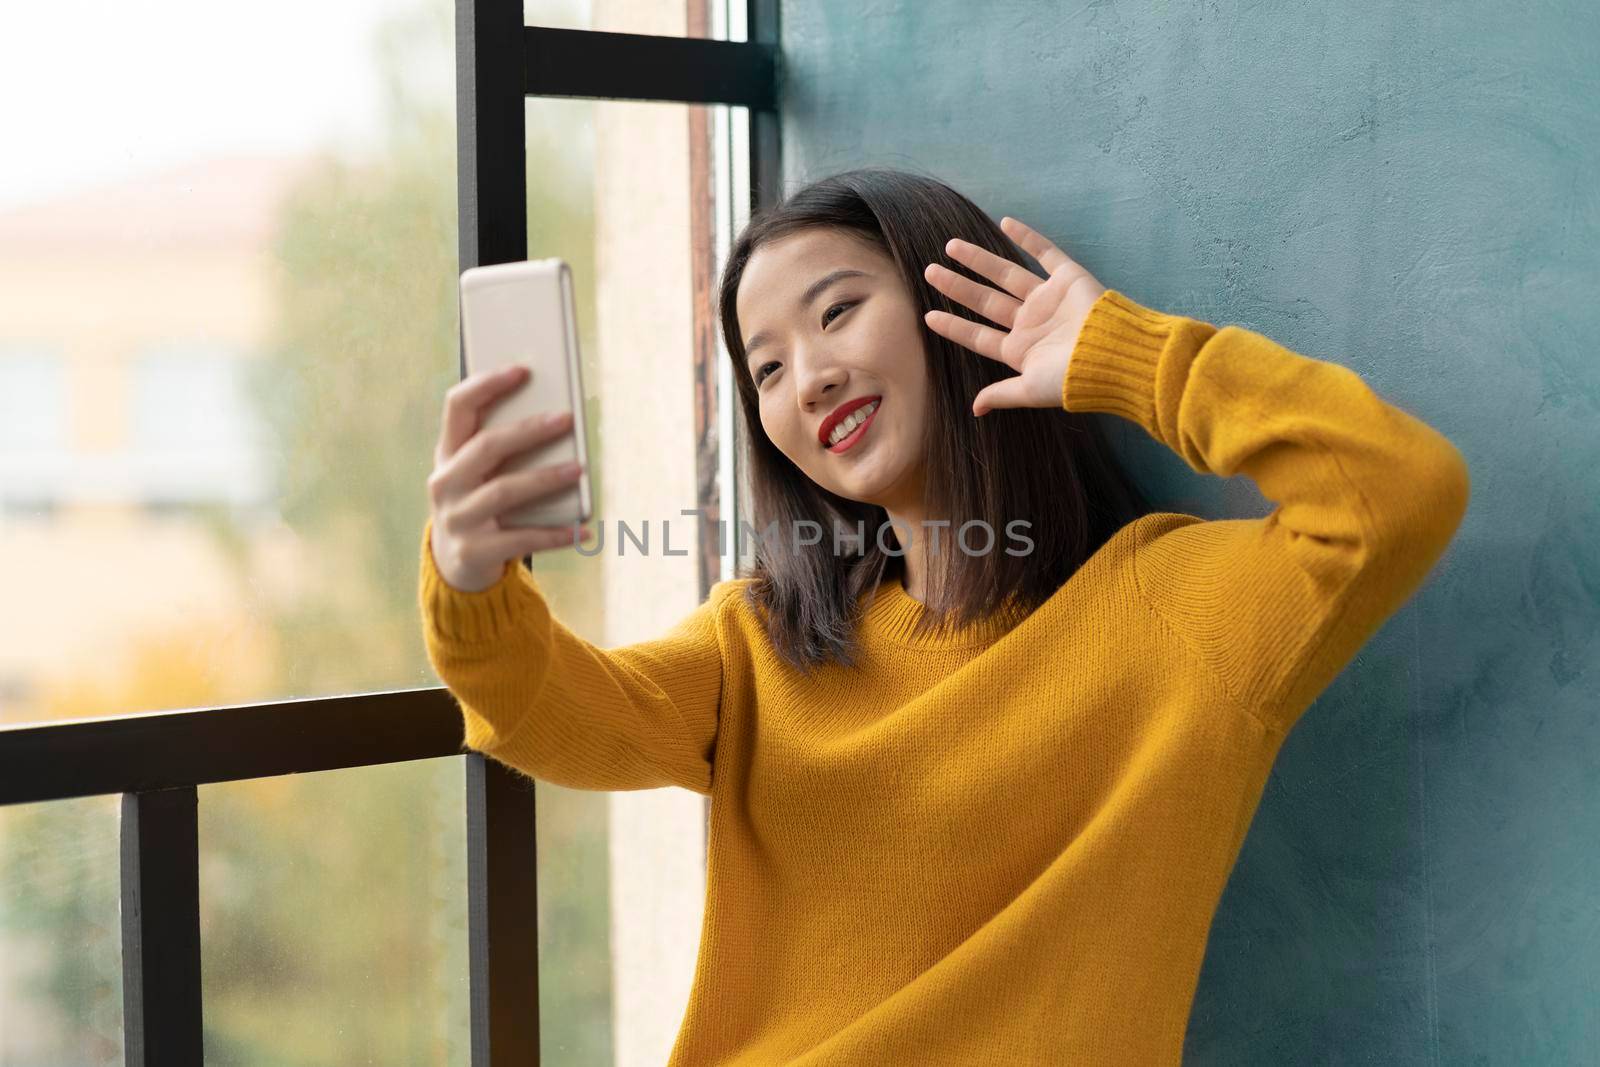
(849, 440)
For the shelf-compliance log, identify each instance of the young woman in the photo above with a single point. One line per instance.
(968, 807)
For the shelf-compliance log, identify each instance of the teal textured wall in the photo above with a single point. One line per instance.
(1413, 191)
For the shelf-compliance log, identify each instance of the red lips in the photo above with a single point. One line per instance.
(838, 414)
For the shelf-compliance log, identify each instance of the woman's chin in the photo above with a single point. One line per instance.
(865, 487)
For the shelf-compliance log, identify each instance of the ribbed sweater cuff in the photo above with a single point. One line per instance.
(1115, 361)
(454, 615)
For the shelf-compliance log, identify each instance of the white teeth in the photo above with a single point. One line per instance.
(851, 421)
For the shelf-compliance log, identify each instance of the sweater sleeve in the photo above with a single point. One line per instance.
(539, 698)
(1366, 497)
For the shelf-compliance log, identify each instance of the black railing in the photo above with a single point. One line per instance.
(157, 760)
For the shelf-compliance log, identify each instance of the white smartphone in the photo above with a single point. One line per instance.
(524, 313)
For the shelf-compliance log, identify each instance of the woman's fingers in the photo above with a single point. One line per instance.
(487, 450)
(1017, 280)
(464, 404)
(1038, 246)
(984, 340)
(500, 494)
(516, 542)
(992, 304)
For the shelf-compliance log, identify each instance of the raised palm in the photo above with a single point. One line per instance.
(1042, 317)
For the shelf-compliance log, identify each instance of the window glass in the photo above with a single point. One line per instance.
(633, 16)
(60, 933)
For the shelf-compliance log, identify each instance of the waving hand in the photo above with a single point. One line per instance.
(1042, 317)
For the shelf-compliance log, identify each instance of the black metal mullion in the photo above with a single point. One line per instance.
(491, 134)
(161, 1014)
(766, 145)
(502, 854)
(502, 914)
(637, 66)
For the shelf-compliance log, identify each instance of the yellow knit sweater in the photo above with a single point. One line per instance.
(996, 848)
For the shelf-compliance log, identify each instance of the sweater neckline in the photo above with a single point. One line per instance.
(891, 613)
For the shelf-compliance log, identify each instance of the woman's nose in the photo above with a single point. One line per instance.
(819, 381)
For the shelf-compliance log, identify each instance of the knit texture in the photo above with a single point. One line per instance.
(996, 847)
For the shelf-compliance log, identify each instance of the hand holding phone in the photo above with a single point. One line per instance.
(469, 543)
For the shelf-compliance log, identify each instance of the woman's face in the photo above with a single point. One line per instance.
(819, 350)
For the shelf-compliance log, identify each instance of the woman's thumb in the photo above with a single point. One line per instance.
(1010, 393)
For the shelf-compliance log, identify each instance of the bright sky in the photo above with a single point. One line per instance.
(97, 91)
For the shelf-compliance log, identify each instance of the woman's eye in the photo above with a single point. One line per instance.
(762, 372)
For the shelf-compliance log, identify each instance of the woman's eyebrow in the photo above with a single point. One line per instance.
(812, 292)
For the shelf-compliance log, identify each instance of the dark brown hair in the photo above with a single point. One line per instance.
(1050, 467)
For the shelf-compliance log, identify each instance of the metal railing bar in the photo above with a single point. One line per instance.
(202, 746)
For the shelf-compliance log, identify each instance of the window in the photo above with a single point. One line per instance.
(244, 415)
(192, 434)
(34, 433)
(33, 402)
